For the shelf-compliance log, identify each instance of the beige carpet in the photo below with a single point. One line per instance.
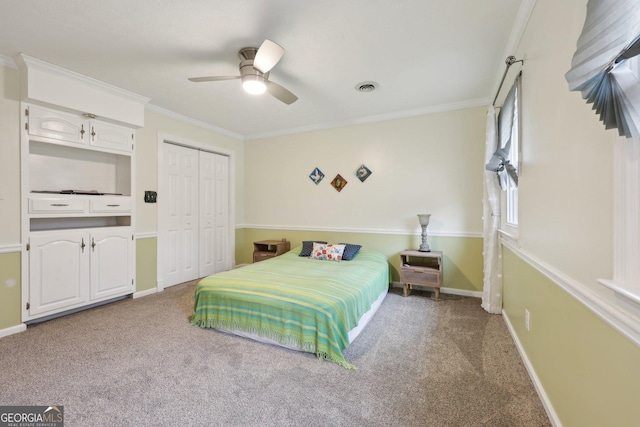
(140, 363)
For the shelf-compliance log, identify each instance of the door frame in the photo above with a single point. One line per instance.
(164, 138)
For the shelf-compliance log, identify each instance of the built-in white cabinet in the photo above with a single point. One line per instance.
(106, 135)
(83, 129)
(112, 262)
(72, 268)
(58, 272)
(78, 211)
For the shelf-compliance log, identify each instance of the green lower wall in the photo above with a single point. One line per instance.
(10, 290)
(589, 371)
(463, 261)
(146, 264)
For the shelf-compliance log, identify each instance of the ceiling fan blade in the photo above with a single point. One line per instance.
(281, 93)
(267, 56)
(213, 79)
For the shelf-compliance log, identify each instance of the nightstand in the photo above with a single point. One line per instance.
(266, 249)
(421, 269)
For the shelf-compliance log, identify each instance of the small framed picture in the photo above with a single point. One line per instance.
(316, 176)
(363, 173)
(339, 183)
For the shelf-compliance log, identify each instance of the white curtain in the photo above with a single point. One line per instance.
(604, 67)
(492, 286)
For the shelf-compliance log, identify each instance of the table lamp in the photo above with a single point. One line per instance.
(424, 221)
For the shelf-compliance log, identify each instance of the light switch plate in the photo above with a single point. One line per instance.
(150, 196)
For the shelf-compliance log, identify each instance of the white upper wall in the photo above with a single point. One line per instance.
(425, 164)
(566, 177)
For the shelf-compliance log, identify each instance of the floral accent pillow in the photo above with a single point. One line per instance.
(307, 247)
(327, 251)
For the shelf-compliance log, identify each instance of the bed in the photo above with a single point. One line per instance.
(310, 305)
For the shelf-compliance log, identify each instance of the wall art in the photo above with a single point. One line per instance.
(316, 176)
(363, 173)
(339, 182)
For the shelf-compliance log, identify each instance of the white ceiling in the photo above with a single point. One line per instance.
(426, 55)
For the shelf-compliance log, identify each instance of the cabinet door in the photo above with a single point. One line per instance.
(57, 125)
(106, 135)
(112, 262)
(58, 271)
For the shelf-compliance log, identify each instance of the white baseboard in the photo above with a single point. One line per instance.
(144, 293)
(548, 407)
(13, 330)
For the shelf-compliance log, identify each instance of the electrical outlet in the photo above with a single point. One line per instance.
(527, 319)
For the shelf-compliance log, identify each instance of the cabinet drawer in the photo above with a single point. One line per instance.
(420, 276)
(260, 256)
(52, 205)
(110, 204)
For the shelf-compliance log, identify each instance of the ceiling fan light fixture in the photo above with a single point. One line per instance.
(255, 85)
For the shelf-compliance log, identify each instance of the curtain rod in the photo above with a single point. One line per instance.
(509, 61)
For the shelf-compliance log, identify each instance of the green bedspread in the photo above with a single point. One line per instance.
(307, 303)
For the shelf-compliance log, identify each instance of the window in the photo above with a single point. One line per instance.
(626, 239)
(509, 197)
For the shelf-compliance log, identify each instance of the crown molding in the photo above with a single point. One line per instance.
(27, 61)
(376, 118)
(194, 122)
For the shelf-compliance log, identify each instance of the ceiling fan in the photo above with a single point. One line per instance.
(255, 65)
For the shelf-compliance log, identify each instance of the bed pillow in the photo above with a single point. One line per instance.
(327, 251)
(307, 247)
(350, 251)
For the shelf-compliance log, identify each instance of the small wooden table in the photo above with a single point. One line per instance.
(421, 269)
(266, 249)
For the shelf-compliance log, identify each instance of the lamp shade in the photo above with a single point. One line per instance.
(424, 219)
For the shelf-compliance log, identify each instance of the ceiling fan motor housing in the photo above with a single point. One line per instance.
(247, 70)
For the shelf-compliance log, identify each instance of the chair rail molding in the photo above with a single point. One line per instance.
(601, 301)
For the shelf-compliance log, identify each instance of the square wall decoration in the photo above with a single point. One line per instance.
(316, 176)
(363, 173)
(339, 183)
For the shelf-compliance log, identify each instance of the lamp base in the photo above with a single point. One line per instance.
(424, 246)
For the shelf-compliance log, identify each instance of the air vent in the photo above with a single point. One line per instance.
(366, 86)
